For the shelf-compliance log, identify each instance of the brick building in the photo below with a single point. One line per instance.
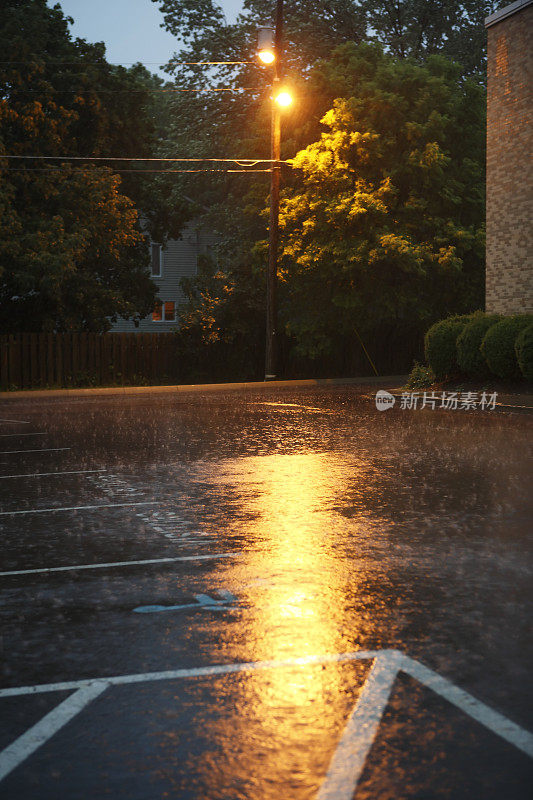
(509, 159)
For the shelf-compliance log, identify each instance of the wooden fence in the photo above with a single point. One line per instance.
(40, 360)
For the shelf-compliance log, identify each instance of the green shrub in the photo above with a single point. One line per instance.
(524, 351)
(420, 377)
(469, 356)
(440, 345)
(498, 345)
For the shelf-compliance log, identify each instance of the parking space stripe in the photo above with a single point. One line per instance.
(44, 450)
(493, 720)
(46, 570)
(348, 761)
(42, 731)
(182, 607)
(75, 508)
(45, 474)
(5, 435)
(202, 601)
(358, 737)
(193, 672)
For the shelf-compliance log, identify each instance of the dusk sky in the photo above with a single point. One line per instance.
(129, 28)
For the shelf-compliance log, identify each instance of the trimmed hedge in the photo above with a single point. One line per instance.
(478, 345)
(498, 346)
(440, 345)
(524, 351)
(469, 356)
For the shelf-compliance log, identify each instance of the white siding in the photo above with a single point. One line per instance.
(180, 260)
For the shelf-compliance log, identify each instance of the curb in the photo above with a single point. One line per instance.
(504, 406)
(122, 391)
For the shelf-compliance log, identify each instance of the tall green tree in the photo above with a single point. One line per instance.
(72, 252)
(382, 216)
(410, 32)
(421, 28)
(406, 28)
(77, 263)
(386, 227)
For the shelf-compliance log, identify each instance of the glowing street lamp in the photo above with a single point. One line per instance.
(283, 98)
(269, 51)
(265, 45)
(266, 56)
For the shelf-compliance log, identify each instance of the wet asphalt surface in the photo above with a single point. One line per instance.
(324, 527)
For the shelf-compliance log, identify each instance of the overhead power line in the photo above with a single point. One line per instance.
(210, 63)
(137, 91)
(143, 171)
(132, 63)
(241, 162)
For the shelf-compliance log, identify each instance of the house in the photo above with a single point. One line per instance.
(171, 262)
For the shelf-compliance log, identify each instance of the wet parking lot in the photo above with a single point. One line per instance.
(264, 594)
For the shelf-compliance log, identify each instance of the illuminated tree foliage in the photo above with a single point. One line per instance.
(386, 225)
(72, 254)
(383, 216)
(78, 260)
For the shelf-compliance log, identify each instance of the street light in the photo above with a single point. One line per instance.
(270, 51)
(283, 98)
(265, 45)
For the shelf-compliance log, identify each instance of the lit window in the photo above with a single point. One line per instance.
(156, 256)
(157, 313)
(170, 311)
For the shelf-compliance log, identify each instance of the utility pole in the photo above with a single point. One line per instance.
(275, 155)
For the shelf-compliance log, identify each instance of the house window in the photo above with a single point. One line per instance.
(157, 258)
(164, 312)
(170, 311)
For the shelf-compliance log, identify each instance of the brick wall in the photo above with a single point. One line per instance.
(509, 287)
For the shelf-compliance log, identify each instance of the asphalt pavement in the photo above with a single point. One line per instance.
(264, 595)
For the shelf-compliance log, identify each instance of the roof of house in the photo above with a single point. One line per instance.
(507, 11)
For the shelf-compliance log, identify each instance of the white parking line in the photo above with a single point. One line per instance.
(203, 601)
(358, 737)
(20, 421)
(43, 730)
(5, 435)
(193, 672)
(348, 761)
(486, 716)
(45, 450)
(45, 474)
(74, 508)
(46, 570)
(173, 526)
(184, 606)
